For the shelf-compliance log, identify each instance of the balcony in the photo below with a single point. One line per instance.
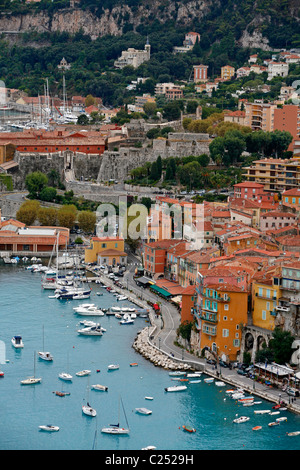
(209, 330)
(262, 296)
(210, 317)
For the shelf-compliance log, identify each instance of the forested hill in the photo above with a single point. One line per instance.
(277, 21)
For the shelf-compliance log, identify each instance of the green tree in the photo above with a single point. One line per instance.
(35, 182)
(83, 120)
(48, 194)
(154, 174)
(159, 166)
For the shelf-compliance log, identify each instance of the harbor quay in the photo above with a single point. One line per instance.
(151, 343)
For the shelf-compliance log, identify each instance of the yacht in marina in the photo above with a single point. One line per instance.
(91, 331)
(92, 310)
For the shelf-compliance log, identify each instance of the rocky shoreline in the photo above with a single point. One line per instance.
(143, 346)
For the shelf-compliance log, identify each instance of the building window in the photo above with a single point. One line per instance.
(226, 307)
(103, 245)
(264, 315)
(225, 333)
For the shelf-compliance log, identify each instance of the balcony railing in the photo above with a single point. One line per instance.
(210, 317)
(209, 330)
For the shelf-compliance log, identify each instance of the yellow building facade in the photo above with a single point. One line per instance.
(106, 251)
(265, 297)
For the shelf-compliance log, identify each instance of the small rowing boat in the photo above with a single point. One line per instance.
(256, 428)
(188, 428)
(62, 394)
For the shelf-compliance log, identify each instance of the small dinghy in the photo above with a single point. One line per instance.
(99, 388)
(143, 411)
(49, 428)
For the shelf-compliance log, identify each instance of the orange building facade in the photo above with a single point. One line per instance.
(55, 141)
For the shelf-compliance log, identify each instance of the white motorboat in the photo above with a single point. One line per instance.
(177, 373)
(99, 388)
(261, 412)
(88, 323)
(84, 306)
(282, 418)
(88, 410)
(194, 375)
(81, 296)
(197, 381)
(209, 380)
(91, 311)
(17, 342)
(113, 367)
(91, 331)
(65, 376)
(241, 419)
(49, 428)
(121, 297)
(45, 356)
(127, 320)
(220, 384)
(294, 433)
(149, 448)
(143, 411)
(237, 396)
(83, 373)
(176, 388)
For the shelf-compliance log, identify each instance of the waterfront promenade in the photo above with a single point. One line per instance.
(161, 338)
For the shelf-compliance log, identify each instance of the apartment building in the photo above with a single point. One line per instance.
(277, 69)
(174, 93)
(227, 72)
(274, 174)
(259, 115)
(221, 308)
(160, 88)
(287, 119)
(200, 73)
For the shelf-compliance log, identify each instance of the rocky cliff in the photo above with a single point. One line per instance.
(110, 22)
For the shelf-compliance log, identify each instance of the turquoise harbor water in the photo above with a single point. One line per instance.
(25, 308)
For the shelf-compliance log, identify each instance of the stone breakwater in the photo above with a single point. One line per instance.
(143, 346)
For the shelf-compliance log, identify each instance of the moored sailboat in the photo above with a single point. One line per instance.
(115, 428)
